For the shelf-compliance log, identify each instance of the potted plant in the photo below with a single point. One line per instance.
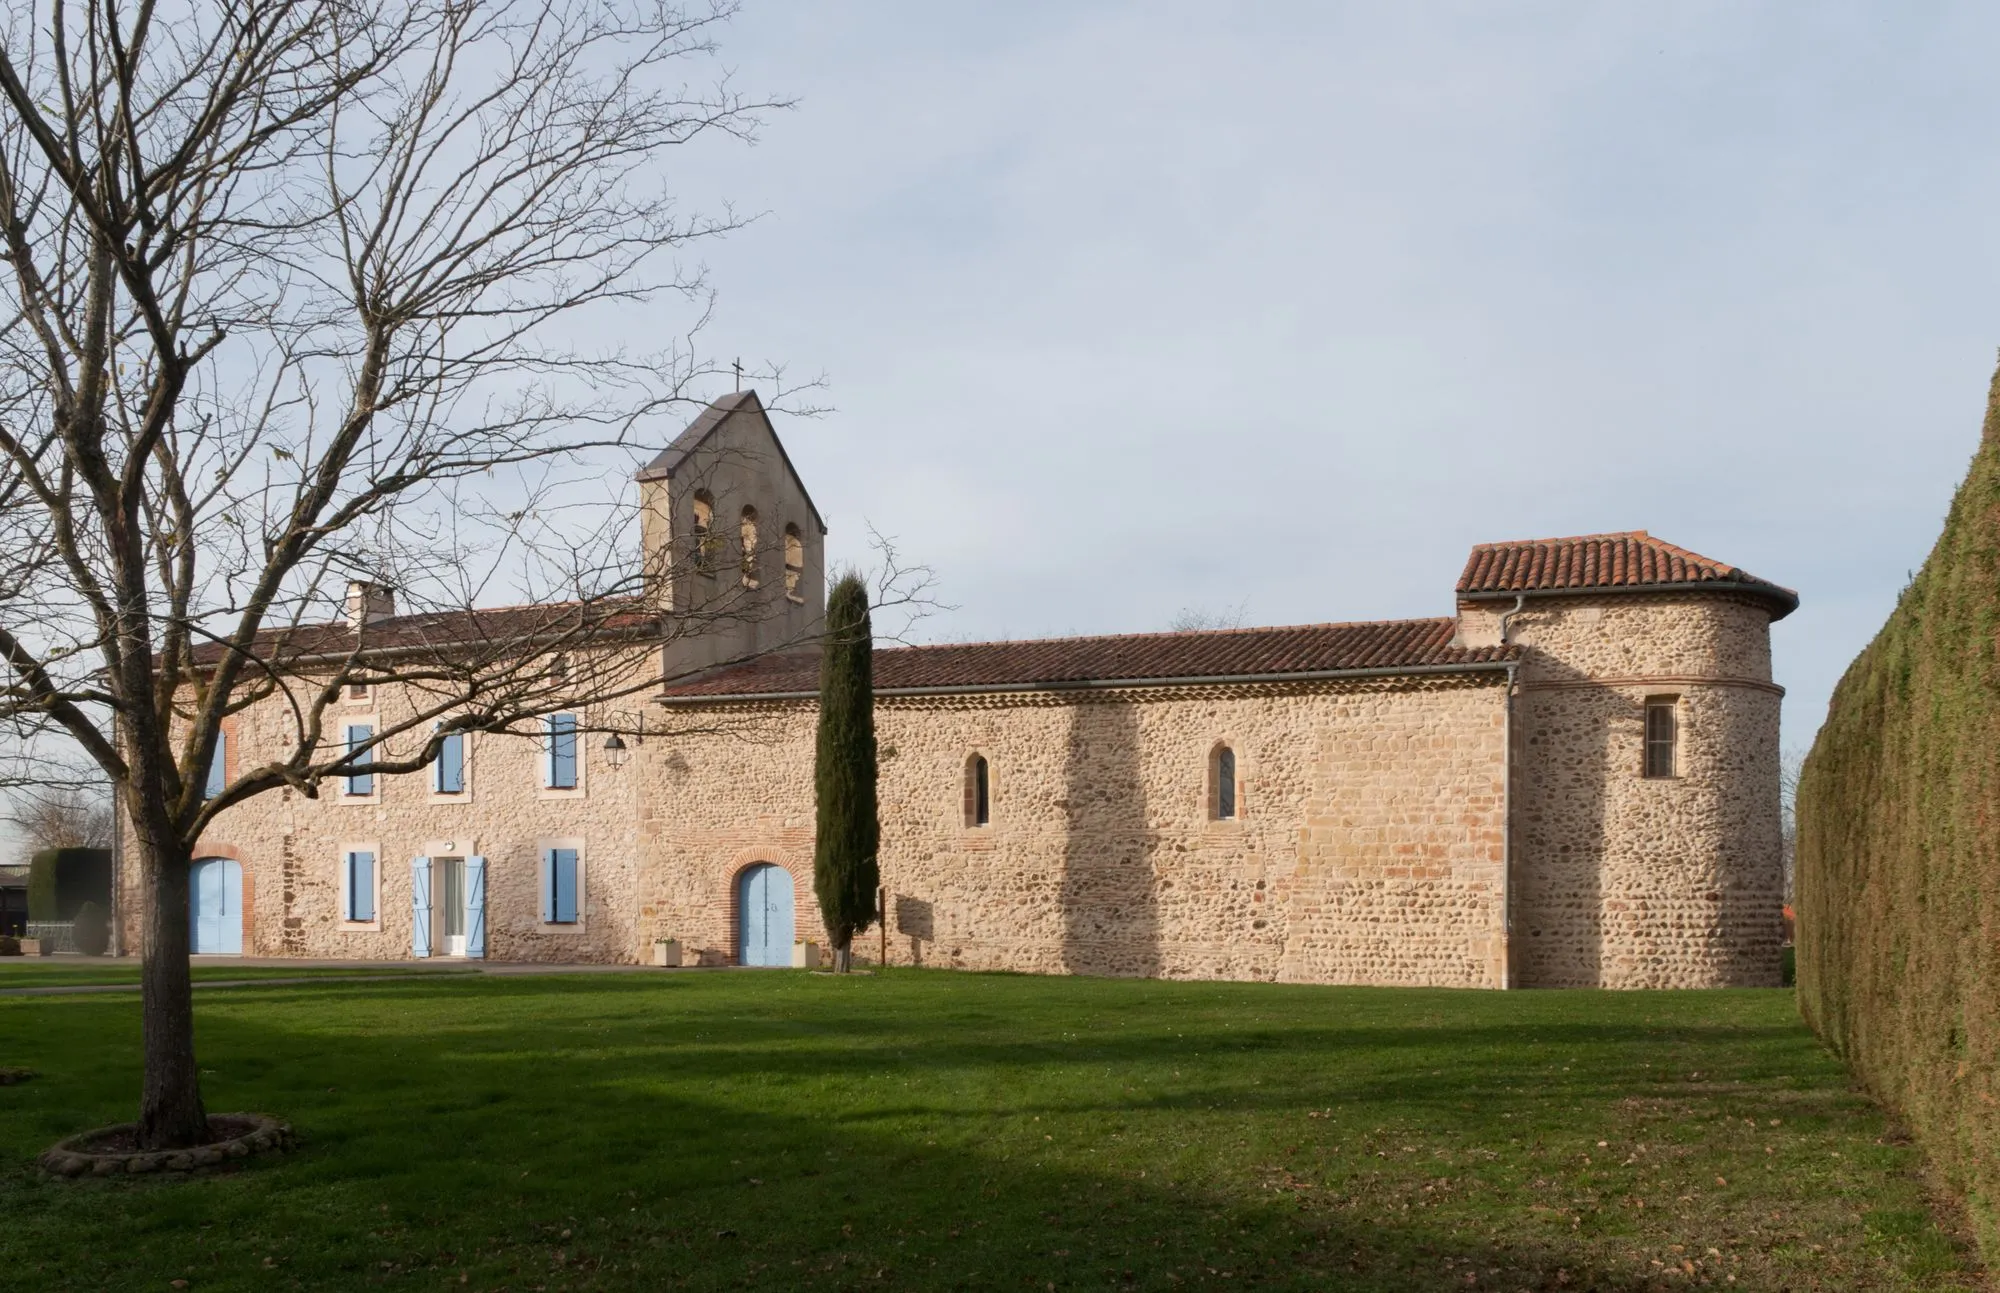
(667, 952)
(805, 954)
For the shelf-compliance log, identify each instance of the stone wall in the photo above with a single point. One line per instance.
(1621, 880)
(1371, 844)
(1369, 847)
(293, 849)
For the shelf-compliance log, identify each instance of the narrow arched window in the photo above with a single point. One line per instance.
(978, 792)
(701, 540)
(795, 562)
(1222, 772)
(747, 532)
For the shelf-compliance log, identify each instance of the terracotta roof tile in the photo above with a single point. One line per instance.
(1056, 662)
(1630, 559)
(549, 622)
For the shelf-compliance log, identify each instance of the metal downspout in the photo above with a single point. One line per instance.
(1507, 835)
(1507, 807)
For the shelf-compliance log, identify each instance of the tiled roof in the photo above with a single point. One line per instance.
(1389, 645)
(1631, 559)
(553, 622)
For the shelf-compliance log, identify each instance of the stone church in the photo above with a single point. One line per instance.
(1571, 780)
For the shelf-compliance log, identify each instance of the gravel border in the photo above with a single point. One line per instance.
(68, 1158)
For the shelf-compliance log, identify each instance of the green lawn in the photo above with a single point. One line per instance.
(940, 1130)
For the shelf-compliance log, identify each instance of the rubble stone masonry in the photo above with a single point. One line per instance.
(1368, 848)
(1487, 827)
(1623, 880)
(1371, 843)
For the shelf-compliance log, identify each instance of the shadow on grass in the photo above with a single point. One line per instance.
(595, 1134)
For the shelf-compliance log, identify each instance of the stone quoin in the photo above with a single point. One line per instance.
(1572, 781)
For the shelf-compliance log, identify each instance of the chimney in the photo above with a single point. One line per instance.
(368, 603)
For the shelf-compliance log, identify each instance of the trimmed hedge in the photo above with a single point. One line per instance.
(61, 881)
(1899, 853)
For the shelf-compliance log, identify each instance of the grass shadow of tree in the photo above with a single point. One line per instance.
(574, 1134)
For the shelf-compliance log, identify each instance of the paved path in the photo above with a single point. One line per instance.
(399, 970)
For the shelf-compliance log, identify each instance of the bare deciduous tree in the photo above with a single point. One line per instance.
(1201, 619)
(297, 293)
(60, 817)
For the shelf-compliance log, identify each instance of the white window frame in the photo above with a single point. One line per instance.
(346, 926)
(542, 848)
(546, 752)
(374, 725)
(465, 774)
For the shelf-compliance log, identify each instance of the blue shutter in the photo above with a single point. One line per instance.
(475, 906)
(451, 765)
(565, 886)
(218, 767)
(548, 886)
(561, 773)
(420, 906)
(358, 735)
(361, 886)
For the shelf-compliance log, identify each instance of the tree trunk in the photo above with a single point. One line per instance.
(170, 1110)
(843, 957)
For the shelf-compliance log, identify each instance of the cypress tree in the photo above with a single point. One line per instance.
(847, 830)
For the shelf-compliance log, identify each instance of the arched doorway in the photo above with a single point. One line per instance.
(764, 914)
(215, 906)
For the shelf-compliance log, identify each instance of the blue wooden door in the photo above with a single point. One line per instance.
(764, 898)
(215, 907)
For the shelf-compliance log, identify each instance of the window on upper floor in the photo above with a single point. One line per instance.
(357, 691)
(978, 792)
(746, 532)
(448, 771)
(218, 768)
(360, 783)
(559, 752)
(1222, 784)
(795, 562)
(1662, 736)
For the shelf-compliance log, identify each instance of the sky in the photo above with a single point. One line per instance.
(1274, 310)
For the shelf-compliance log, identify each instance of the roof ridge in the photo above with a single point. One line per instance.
(1570, 538)
(1623, 560)
(1174, 633)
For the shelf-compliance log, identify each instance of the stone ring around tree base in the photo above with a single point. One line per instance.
(110, 1151)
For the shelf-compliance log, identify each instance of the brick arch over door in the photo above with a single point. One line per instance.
(805, 906)
(205, 850)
